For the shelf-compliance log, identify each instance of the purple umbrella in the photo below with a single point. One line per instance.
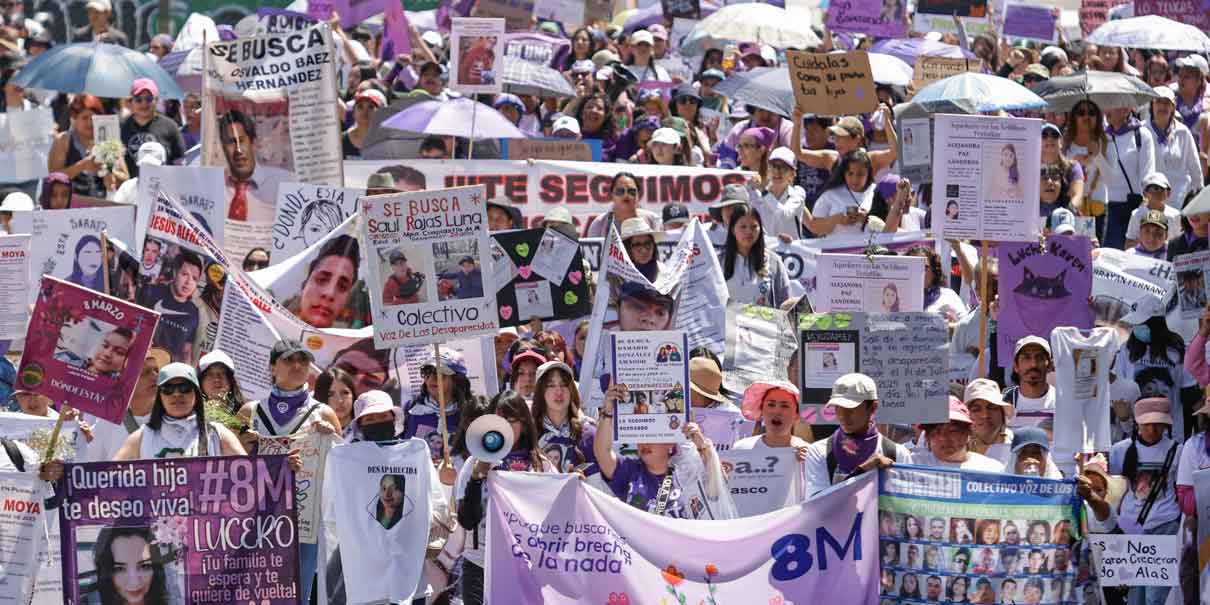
(646, 17)
(459, 117)
(908, 49)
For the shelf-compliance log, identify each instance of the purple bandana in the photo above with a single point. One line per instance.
(283, 405)
(851, 451)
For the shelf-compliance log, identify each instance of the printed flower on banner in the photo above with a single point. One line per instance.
(674, 578)
(777, 600)
(170, 535)
(711, 571)
(618, 598)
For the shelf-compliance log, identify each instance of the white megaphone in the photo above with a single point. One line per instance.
(489, 438)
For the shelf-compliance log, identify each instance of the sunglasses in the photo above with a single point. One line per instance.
(174, 388)
(1085, 113)
(144, 98)
(631, 191)
(254, 265)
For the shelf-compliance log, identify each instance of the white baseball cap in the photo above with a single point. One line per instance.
(783, 155)
(17, 201)
(667, 136)
(852, 390)
(1031, 340)
(151, 152)
(642, 37)
(1156, 178)
(566, 123)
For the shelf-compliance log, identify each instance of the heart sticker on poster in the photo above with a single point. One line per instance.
(506, 311)
(522, 249)
(570, 298)
(575, 277)
(525, 271)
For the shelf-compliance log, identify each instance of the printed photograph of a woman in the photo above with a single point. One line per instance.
(389, 509)
(129, 568)
(86, 266)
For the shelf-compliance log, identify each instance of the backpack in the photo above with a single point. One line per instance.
(886, 445)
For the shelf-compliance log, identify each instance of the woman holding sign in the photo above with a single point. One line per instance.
(849, 134)
(178, 427)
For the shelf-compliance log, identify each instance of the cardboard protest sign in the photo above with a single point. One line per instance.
(762, 480)
(760, 342)
(649, 556)
(199, 189)
(877, 284)
(686, 9)
(930, 69)
(279, 21)
(515, 15)
(219, 530)
(1094, 13)
(1191, 12)
(273, 95)
(655, 368)
(938, 16)
(1031, 21)
(427, 252)
(539, 274)
(85, 349)
(1136, 560)
(916, 148)
(1042, 289)
(832, 84)
(904, 353)
(880, 18)
(313, 447)
(476, 62)
(67, 243)
(985, 178)
(1119, 280)
(25, 140)
(943, 529)
(572, 150)
(306, 213)
(21, 518)
(1191, 283)
(14, 284)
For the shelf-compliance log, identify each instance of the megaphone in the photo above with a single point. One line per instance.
(489, 438)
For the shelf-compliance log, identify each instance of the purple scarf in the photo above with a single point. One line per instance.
(851, 451)
(283, 405)
(1161, 135)
(931, 295)
(1190, 113)
(1127, 126)
(1161, 254)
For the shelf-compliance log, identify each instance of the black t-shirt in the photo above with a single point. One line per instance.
(178, 321)
(160, 129)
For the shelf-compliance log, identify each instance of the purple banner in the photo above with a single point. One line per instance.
(182, 530)
(396, 39)
(1042, 289)
(1031, 22)
(881, 18)
(1191, 12)
(280, 20)
(85, 348)
(352, 12)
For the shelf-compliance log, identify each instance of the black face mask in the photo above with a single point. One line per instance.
(379, 431)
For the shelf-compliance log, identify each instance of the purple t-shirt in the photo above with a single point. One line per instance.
(636, 486)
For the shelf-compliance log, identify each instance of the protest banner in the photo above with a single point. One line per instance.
(654, 366)
(85, 349)
(279, 21)
(572, 150)
(915, 145)
(67, 243)
(581, 187)
(684, 9)
(995, 537)
(313, 448)
(985, 183)
(877, 284)
(14, 284)
(930, 69)
(938, 16)
(760, 343)
(426, 256)
(705, 290)
(267, 118)
(1119, 280)
(305, 213)
(905, 353)
(880, 18)
(1031, 21)
(722, 427)
(542, 552)
(1191, 283)
(219, 530)
(1042, 288)
(1094, 13)
(539, 274)
(1201, 485)
(1191, 12)
(832, 84)
(1135, 560)
(21, 517)
(198, 189)
(515, 15)
(477, 45)
(762, 480)
(25, 140)
(537, 47)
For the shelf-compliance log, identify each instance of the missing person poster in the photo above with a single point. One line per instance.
(21, 517)
(198, 189)
(477, 55)
(207, 530)
(67, 243)
(426, 254)
(654, 366)
(1042, 288)
(541, 274)
(1191, 283)
(880, 18)
(267, 118)
(960, 536)
(832, 84)
(306, 213)
(85, 349)
(876, 284)
(985, 178)
(14, 283)
(760, 343)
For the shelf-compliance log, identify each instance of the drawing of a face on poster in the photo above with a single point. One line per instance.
(127, 565)
(87, 264)
(320, 218)
(392, 503)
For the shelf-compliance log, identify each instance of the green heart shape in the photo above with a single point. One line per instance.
(522, 249)
(570, 298)
(750, 311)
(766, 313)
(824, 322)
(843, 320)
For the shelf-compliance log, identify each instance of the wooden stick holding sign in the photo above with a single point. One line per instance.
(983, 305)
(446, 470)
(105, 260)
(54, 434)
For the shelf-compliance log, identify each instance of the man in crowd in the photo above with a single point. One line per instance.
(145, 125)
(100, 16)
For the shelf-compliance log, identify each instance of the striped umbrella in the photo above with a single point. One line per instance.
(522, 77)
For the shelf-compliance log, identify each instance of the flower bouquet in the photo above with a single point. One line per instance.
(107, 153)
(219, 410)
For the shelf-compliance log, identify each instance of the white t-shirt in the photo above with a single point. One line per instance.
(757, 442)
(1151, 460)
(974, 462)
(472, 552)
(1031, 411)
(107, 438)
(949, 305)
(838, 200)
(781, 214)
(1082, 384)
(1193, 459)
(815, 465)
(1171, 215)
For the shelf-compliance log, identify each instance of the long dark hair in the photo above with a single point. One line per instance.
(235, 397)
(102, 556)
(1162, 340)
(756, 256)
(932, 260)
(606, 131)
(573, 407)
(836, 179)
(329, 377)
(512, 407)
(77, 273)
(156, 421)
(400, 482)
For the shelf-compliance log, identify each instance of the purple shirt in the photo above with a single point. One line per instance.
(636, 486)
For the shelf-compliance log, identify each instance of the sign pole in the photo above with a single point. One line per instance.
(983, 304)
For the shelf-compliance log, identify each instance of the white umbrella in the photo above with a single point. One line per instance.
(752, 22)
(890, 70)
(1151, 31)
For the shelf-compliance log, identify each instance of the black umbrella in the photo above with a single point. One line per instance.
(766, 88)
(1108, 89)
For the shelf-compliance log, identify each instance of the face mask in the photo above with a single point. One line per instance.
(380, 431)
(1142, 332)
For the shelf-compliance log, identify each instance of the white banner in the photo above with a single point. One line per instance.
(875, 284)
(1119, 280)
(198, 189)
(21, 517)
(762, 480)
(306, 213)
(15, 283)
(25, 141)
(1136, 560)
(67, 243)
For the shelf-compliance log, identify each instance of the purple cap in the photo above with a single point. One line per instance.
(764, 136)
(886, 185)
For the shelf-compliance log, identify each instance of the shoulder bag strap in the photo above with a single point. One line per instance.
(665, 492)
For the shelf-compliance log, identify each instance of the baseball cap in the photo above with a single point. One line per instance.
(848, 126)
(583, 66)
(958, 411)
(176, 370)
(754, 396)
(667, 136)
(852, 390)
(151, 152)
(212, 358)
(101, 5)
(1166, 92)
(553, 364)
(565, 124)
(986, 389)
(373, 96)
(716, 74)
(642, 292)
(1197, 62)
(1039, 70)
(1053, 128)
(144, 85)
(524, 355)
(604, 57)
(675, 212)
(1031, 340)
(286, 348)
(1143, 309)
(783, 155)
(1153, 410)
(1030, 435)
(642, 37)
(1156, 178)
(1155, 217)
(706, 379)
(432, 38)
(733, 194)
(658, 32)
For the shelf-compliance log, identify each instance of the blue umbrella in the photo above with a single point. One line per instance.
(104, 70)
(976, 93)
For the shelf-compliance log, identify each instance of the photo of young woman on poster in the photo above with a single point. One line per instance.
(388, 508)
(129, 569)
